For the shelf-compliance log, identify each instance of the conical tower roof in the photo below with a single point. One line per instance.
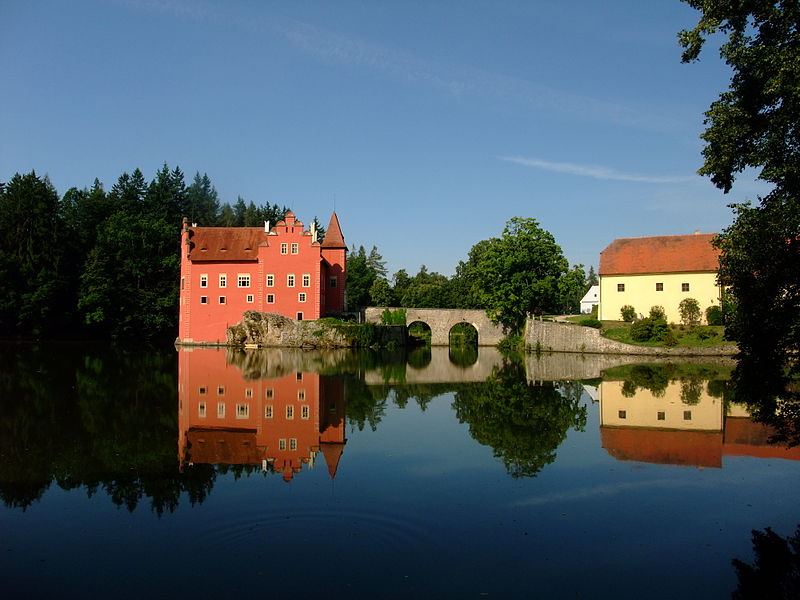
(333, 235)
(332, 451)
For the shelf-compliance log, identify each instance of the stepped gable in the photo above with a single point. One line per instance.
(333, 235)
(225, 243)
(660, 254)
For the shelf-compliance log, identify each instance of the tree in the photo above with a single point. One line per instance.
(360, 278)
(756, 123)
(518, 274)
(202, 205)
(380, 293)
(689, 310)
(591, 278)
(31, 280)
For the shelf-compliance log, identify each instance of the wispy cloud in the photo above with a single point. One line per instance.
(458, 80)
(595, 171)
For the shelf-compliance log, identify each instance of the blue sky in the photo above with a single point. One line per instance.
(427, 124)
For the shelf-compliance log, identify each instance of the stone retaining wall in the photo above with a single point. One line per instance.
(545, 336)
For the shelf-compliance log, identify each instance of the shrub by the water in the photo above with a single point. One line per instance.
(591, 322)
(628, 313)
(649, 330)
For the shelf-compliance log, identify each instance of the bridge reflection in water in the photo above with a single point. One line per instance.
(273, 409)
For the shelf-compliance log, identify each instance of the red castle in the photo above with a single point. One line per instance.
(283, 269)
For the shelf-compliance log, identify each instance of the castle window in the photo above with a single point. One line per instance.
(659, 287)
(244, 280)
(623, 414)
(221, 390)
(661, 415)
(290, 411)
(270, 280)
(299, 376)
(281, 444)
(268, 411)
(220, 410)
(223, 280)
(248, 393)
(304, 411)
(250, 298)
(299, 316)
(270, 298)
(284, 248)
(333, 282)
(242, 411)
(201, 410)
(301, 297)
(292, 443)
(620, 287)
(684, 287)
(295, 248)
(222, 299)
(202, 390)
(687, 415)
(204, 280)
(269, 393)
(290, 280)
(306, 280)
(203, 299)
(301, 395)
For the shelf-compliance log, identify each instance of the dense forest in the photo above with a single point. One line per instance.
(105, 264)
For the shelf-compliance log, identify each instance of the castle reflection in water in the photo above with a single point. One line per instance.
(280, 423)
(281, 418)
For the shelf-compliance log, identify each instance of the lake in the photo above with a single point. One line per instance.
(138, 472)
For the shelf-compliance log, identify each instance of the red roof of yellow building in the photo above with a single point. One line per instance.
(660, 254)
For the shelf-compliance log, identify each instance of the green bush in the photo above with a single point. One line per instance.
(590, 322)
(658, 312)
(649, 330)
(628, 313)
(714, 315)
(393, 317)
(690, 312)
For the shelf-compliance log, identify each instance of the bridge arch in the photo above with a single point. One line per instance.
(442, 320)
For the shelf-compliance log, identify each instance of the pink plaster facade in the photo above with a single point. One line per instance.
(283, 269)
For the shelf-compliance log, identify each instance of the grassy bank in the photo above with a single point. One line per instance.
(685, 336)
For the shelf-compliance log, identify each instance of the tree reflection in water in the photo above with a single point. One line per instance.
(776, 571)
(97, 417)
(771, 390)
(523, 423)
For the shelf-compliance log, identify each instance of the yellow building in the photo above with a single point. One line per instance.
(658, 271)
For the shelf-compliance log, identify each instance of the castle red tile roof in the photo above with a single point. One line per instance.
(660, 254)
(333, 235)
(225, 243)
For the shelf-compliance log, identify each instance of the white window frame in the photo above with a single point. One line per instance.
(223, 280)
(270, 279)
(243, 280)
(250, 298)
(204, 280)
(306, 279)
(290, 280)
(268, 412)
(301, 297)
(242, 410)
(284, 248)
(270, 298)
(295, 248)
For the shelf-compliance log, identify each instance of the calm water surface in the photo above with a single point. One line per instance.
(357, 475)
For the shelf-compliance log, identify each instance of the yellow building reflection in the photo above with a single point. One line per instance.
(279, 424)
(680, 424)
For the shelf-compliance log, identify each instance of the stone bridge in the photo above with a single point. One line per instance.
(442, 320)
